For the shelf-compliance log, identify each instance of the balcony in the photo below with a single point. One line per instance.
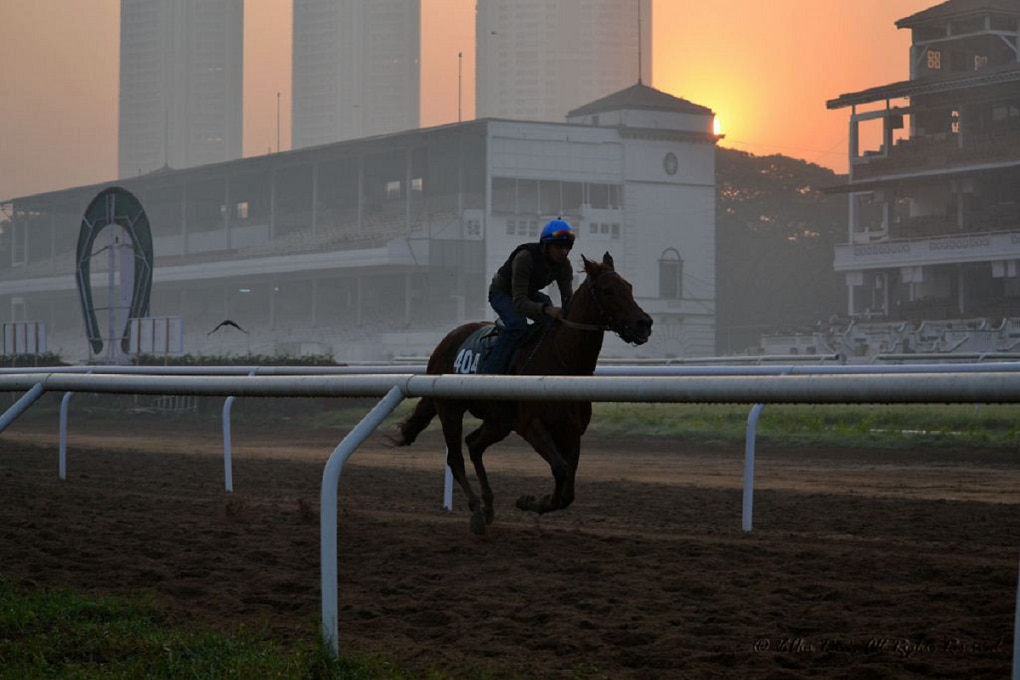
(935, 249)
(939, 152)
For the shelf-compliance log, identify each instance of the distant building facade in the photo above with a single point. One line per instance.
(933, 246)
(375, 248)
(539, 59)
(181, 82)
(356, 69)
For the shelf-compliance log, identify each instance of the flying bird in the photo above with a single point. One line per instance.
(227, 322)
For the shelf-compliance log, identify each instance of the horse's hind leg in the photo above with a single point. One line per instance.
(452, 420)
(480, 439)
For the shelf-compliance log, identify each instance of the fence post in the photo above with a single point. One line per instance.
(749, 444)
(328, 511)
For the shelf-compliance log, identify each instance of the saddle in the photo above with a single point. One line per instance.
(476, 348)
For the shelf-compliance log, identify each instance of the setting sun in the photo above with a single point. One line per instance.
(716, 126)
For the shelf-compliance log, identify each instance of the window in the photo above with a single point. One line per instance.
(241, 211)
(934, 60)
(614, 230)
(549, 197)
(527, 196)
(511, 227)
(473, 227)
(573, 196)
(598, 196)
(17, 309)
(503, 194)
(671, 272)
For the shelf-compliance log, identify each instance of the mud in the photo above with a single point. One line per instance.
(861, 564)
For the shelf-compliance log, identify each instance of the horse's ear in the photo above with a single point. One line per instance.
(591, 268)
(607, 260)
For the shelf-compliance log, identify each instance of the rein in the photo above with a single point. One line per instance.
(576, 325)
(583, 326)
(598, 306)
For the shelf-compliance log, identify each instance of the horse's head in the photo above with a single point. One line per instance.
(612, 299)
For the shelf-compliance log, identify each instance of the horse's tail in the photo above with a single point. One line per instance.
(419, 419)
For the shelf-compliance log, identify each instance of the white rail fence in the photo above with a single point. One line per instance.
(750, 443)
(932, 387)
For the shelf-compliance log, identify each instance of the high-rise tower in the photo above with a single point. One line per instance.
(539, 59)
(356, 69)
(181, 83)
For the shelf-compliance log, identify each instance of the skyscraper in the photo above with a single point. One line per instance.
(539, 59)
(180, 83)
(356, 69)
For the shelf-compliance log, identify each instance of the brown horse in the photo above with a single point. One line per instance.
(571, 346)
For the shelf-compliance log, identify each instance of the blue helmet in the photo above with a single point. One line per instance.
(557, 231)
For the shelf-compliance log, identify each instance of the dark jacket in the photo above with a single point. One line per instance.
(530, 271)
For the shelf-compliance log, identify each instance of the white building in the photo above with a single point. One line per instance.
(539, 59)
(356, 69)
(376, 247)
(180, 83)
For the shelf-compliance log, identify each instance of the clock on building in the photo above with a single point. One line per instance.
(670, 163)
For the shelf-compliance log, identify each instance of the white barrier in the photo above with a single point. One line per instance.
(932, 387)
(24, 337)
(609, 370)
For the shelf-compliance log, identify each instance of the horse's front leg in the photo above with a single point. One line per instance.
(491, 431)
(452, 419)
(538, 435)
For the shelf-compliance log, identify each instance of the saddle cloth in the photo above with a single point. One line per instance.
(474, 349)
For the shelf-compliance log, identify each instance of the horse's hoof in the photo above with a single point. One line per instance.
(526, 503)
(477, 523)
(547, 504)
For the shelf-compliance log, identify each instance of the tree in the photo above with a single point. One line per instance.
(775, 237)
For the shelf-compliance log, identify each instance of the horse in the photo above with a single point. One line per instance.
(570, 345)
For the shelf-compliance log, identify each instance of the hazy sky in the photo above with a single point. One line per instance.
(766, 67)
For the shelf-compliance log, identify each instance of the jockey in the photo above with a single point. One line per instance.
(516, 290)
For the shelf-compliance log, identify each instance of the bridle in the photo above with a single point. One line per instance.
(598, 306)
(575, 324)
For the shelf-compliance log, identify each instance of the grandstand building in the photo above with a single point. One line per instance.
(374, 248)
(932, 256)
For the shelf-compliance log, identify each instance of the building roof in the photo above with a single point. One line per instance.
(953, 9)
(640, 96)
(993, 75)
(259, 162)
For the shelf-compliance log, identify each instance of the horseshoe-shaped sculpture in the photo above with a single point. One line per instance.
(114, 206)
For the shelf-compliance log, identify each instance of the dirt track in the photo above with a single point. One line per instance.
(861, 565)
